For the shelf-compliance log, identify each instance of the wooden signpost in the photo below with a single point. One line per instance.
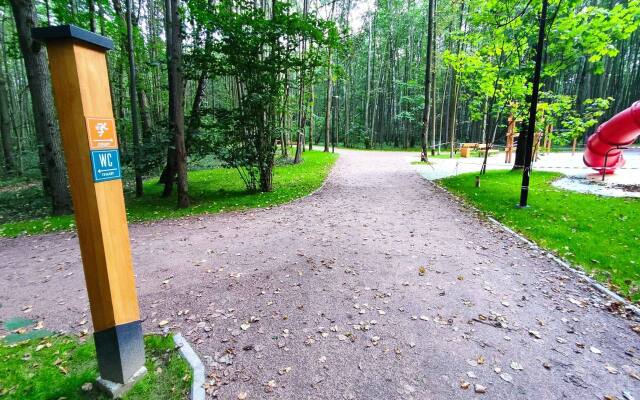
(77, 59)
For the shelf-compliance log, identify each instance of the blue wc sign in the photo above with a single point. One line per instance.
(105, 165)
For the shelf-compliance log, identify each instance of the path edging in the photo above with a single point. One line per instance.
(187, 352)
(566, 265)
(569, 267)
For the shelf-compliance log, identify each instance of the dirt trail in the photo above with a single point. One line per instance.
(329, 287)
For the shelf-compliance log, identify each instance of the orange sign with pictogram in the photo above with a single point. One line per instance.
(102, 133)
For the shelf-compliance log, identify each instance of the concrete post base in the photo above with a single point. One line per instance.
(117, 390)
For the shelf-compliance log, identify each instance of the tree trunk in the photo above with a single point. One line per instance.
(176, 99)
(5, 126)
(433, 102)
(367, 126)
(52, 166)
(92, 15)
(133, 98)
(266, 176)
(285, 117)
(520, 146)
(195, 118)
(145, 116)
(312, 122)
(327, 115)
(433, 78)
(301, 103)
(453, 101)
(427, 83)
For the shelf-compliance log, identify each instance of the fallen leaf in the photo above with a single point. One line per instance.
(516, 365)
(611, 369)
(506, 377)
(283, 371)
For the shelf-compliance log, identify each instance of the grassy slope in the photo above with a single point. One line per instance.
(59, 371)
(211, 191)
(598, 233)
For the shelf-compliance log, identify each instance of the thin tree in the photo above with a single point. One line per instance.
(302, 122)
(5, 126)
(433, 80)
(453, 95)
(176, 112)
(52, 165)
(133, 98)
(427, 81)
(368, 93)
(327, 115)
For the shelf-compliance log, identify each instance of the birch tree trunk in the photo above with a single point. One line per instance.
(367, 123)
(327, 115)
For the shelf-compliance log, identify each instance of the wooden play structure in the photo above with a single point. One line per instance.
(511, 136)
(466, 148)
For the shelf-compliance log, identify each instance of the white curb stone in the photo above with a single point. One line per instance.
(197, 384)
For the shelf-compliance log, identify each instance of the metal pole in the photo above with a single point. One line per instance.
(606, 159)
(526, 172)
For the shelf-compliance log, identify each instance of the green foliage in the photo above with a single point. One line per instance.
(561, 113)
(56, 367)
(590, 31)
(256, 49)
(496, 63)
(599, 234)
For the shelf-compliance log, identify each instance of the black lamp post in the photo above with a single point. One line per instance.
(526, 172)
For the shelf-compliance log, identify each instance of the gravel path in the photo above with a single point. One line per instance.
(322, 298)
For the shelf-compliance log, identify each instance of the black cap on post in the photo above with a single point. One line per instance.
(51, 33)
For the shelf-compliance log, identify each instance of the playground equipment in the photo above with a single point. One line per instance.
(604, 148)
(466, 148)
(511, 136)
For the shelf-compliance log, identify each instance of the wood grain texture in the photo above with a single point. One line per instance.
(81, 89)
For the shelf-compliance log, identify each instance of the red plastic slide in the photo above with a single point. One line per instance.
(621, 130)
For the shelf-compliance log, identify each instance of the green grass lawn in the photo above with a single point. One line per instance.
(57, 367)
(211, 191)
(599, 234)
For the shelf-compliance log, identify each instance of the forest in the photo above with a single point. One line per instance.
(248, 85)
